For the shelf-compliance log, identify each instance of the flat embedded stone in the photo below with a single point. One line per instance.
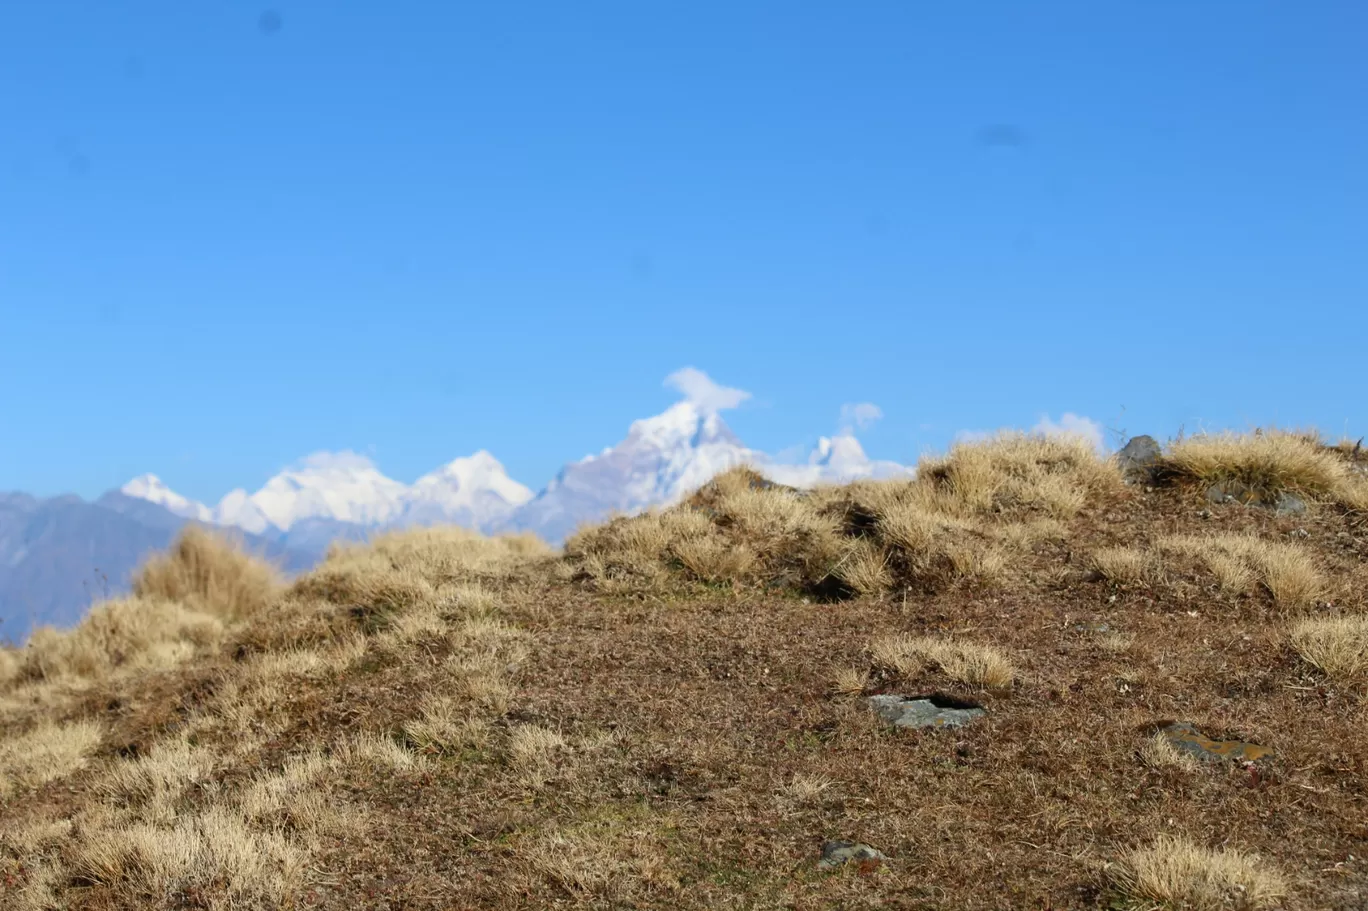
(922, 713)
(1187, 738)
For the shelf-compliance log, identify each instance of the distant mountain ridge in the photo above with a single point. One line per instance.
(61, 554)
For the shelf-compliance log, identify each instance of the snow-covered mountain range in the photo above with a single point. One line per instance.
(661, 460)
(347, 488)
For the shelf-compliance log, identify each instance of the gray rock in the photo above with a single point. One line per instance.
(837, 853)
(921, 713)
(1138, 458)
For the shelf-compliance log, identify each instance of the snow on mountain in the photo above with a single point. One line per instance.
(473, 491)
(661, 459)
(835, 460)
(150, 487)
(341, 486)
(346, 492)
(667, 457)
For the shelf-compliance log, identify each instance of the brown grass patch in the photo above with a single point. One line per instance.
(865, 538)
(1176, 873)
(1158, 752)
(46, 753)
(1124, 565)
(849, 681)
(964, 662)
(208, 571)
(1287, 571)
(1336, 645)
(614, 858)
(214, 848)
(1266, 462)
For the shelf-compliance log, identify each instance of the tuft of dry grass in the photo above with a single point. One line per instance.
(965, 662)
(1337, 646)
(1022, 473)
(1173, 872)
(160, 776)
(533, 752)
(375, 751)
(208, 571)
(1268, 461)
(127, 634)
(1158, 752)
(215, 847)
(1286, 570)
(849, 681)
(807, 789)
(608, 859)
(1124, 565)
(865, 569)
(46, 753)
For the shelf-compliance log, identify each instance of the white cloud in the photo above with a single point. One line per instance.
(1071, 425)
(859, 416)
(698, 388)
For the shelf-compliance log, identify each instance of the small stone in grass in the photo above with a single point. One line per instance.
(837, 853)
(924, 713)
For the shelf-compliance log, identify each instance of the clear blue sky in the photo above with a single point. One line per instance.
(234, 234)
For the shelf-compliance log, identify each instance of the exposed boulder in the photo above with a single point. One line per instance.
(1139, 458)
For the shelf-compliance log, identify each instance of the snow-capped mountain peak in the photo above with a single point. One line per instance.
(683, 424)
(151, 488)
(341, 486)
(474, 490)
(346, 489)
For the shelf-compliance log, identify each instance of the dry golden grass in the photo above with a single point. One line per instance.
(1267, 462)
(613, 859)
(209, 572)
(159, 777)
(965, 662)
(849, 681)
(1336, 645)
(1175, 873)
(446, 727)
(866, 538)
(533, 752)
(865, 569)
(1158, 752)
(377, 752)
(11, 664)
(1287, 571)
(807, 789)
(1022, 473)
(128, 634)
(1124, 565)
(48, 752)
(184, 603)
(213, 848)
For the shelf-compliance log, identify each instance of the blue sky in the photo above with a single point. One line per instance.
(234, 234)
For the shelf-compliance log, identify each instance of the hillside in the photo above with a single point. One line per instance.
(1150, 676)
